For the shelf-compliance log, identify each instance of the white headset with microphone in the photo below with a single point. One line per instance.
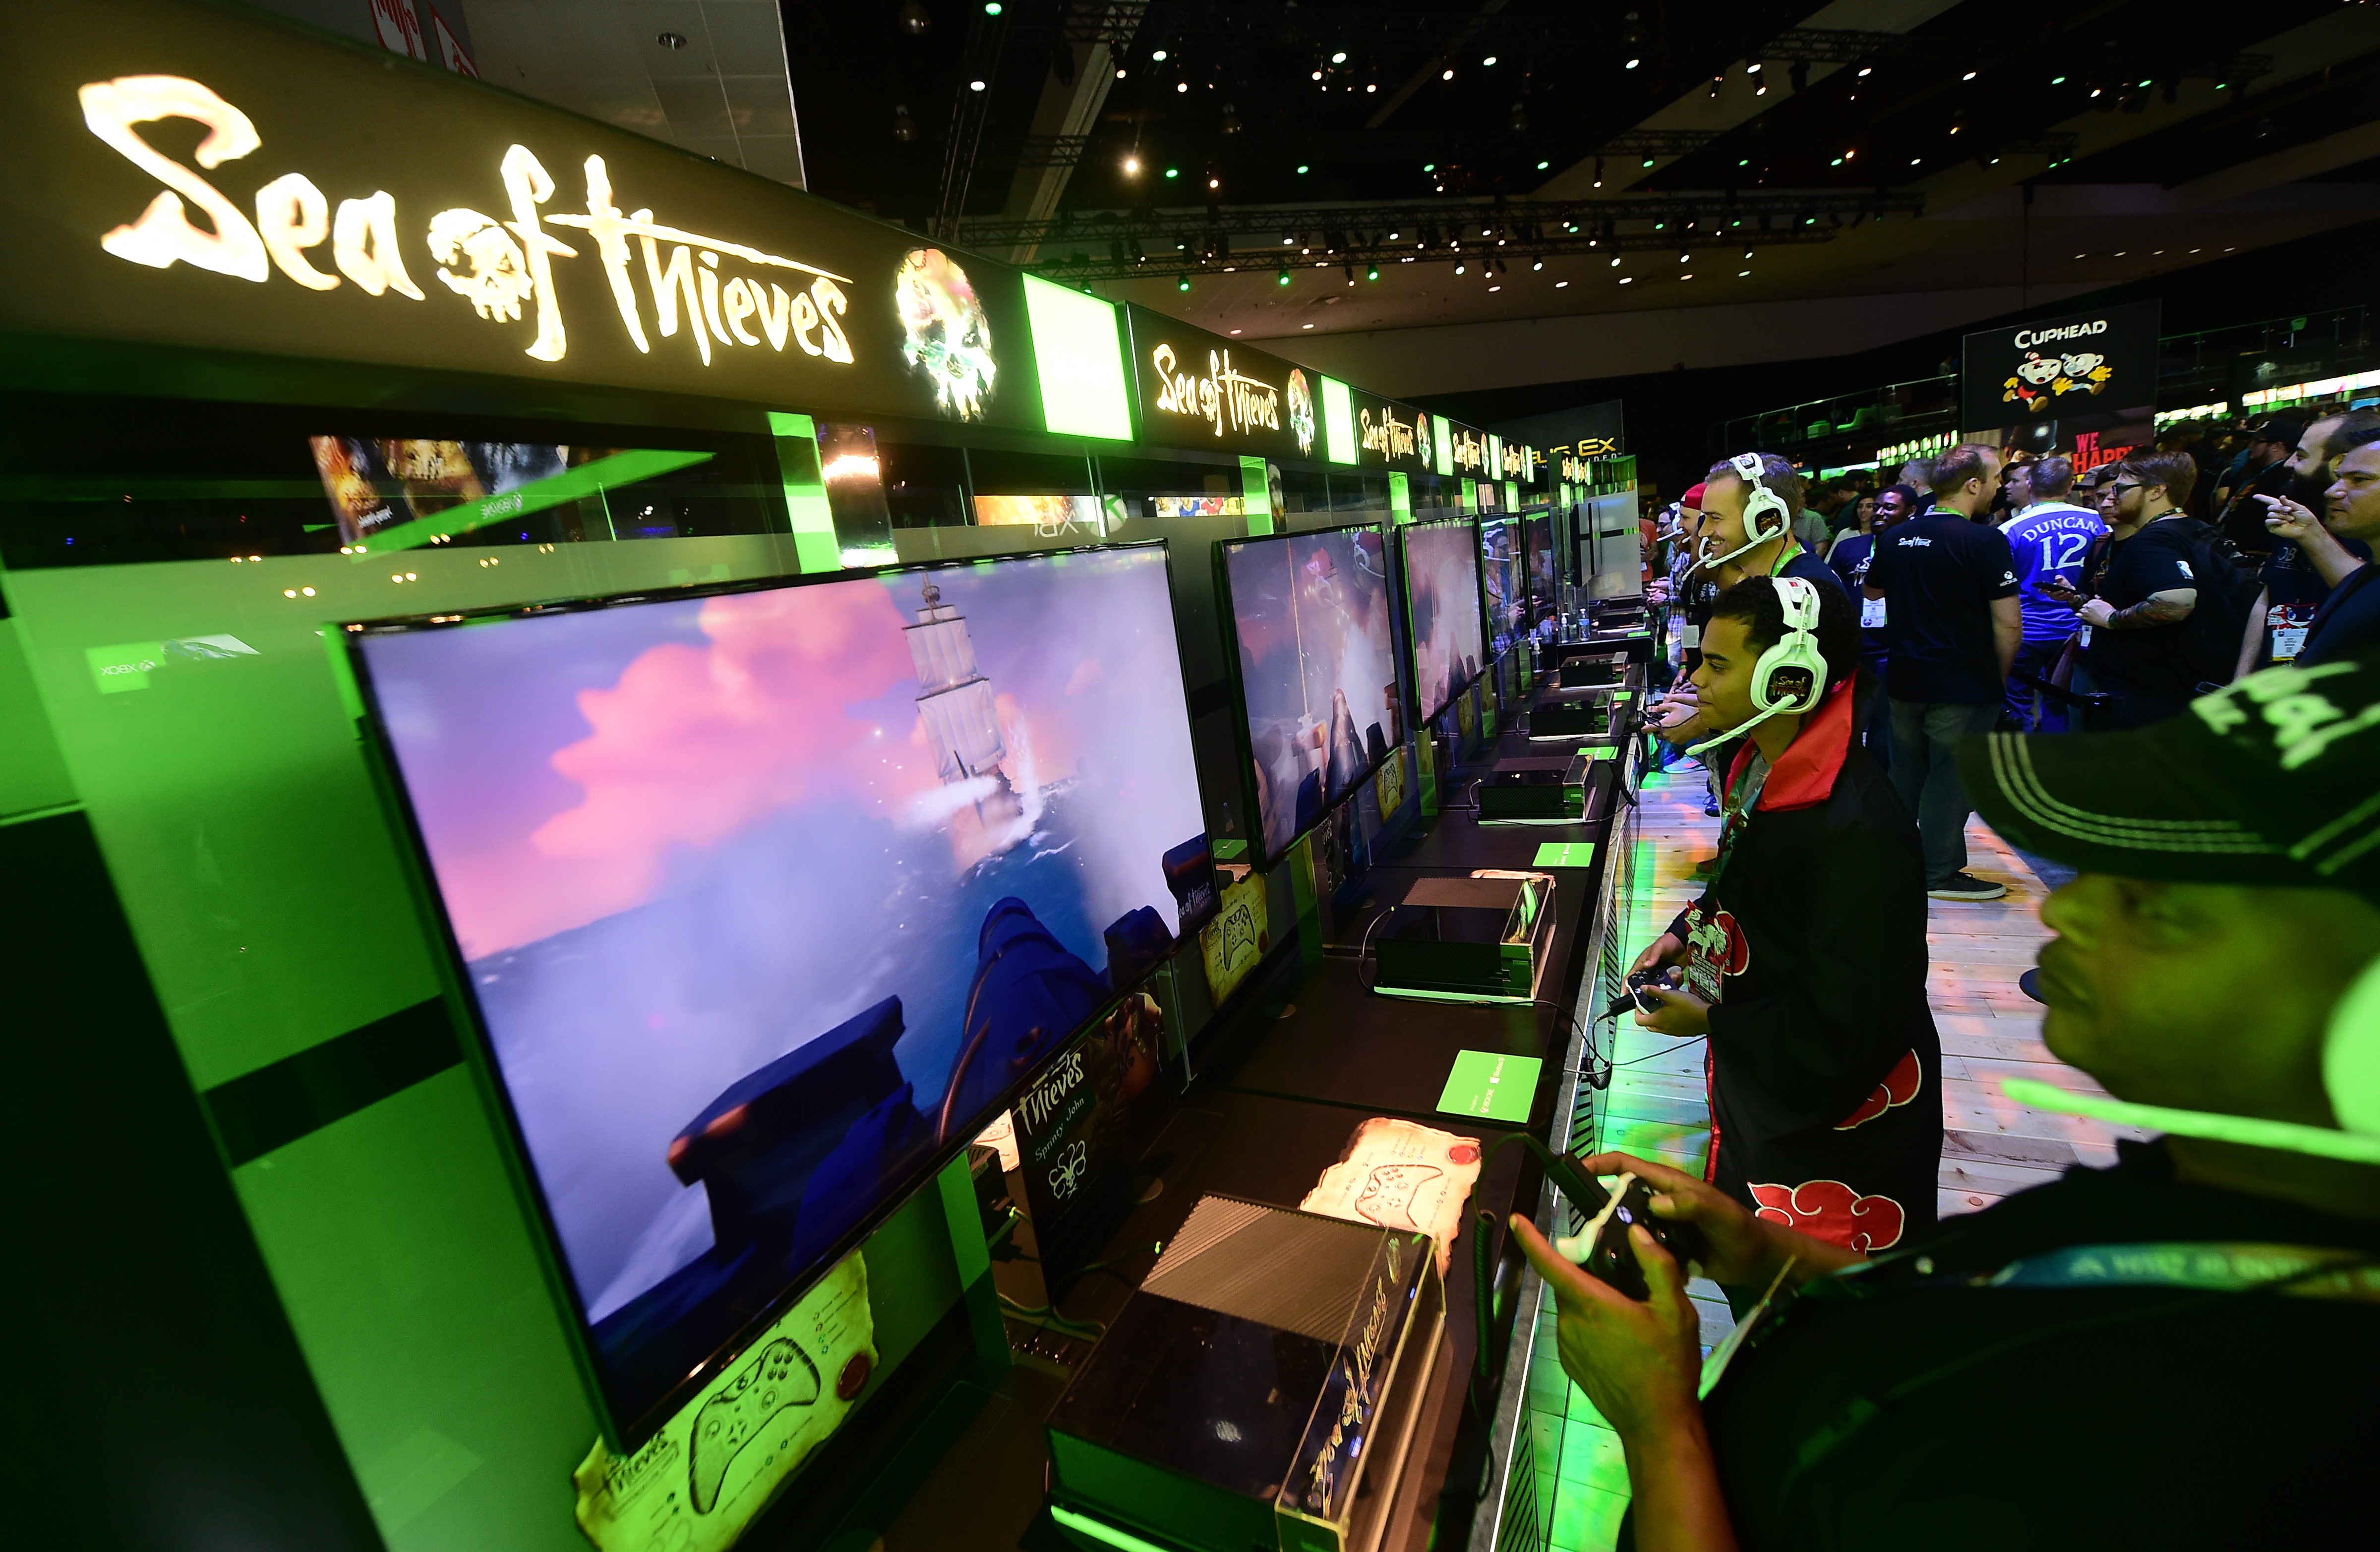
(1790, 677)
(1759, 502)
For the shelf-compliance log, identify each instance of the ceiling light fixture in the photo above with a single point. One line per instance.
(1560, 284)
(1173, 172)
(1158, 56)
(1543, 165)
(1446, 75)
(1282, 278)
(1970, 75)
(1627, 280)
(1340, 57)
(1182, 283)
(1490, 62)
(975, 86)
(1132, 166)
(1631, 65)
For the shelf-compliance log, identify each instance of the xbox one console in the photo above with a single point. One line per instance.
(1536, 789)
(1575, 714)
(1592, 670)
(1486, 938)
(1260, 1389)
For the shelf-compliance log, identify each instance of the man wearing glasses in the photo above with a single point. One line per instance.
(2139, 642)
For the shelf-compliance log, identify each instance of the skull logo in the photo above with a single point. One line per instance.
(499, 278)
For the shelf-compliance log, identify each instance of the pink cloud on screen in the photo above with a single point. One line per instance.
(696, 742)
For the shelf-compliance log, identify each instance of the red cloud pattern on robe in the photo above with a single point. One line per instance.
(1898, 1087)
(1829, 1210)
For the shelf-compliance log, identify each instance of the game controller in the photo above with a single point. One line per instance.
(1637, 996)
(782, 1376)
(1608, 1252)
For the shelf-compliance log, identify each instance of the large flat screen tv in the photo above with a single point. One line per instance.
(1504, 584)
(1539, 561)
(1443, 611)
(1315, 672)
(766, 899)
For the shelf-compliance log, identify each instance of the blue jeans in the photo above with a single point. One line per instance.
(2034, 712)
(1925, 773)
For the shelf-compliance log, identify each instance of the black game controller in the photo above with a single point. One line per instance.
(1637, 996)
(1612, 1257)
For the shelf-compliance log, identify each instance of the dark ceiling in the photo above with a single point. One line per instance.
(1408, 107)
(1752, 152)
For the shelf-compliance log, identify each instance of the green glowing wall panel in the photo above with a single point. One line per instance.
(1338, 421)
(1079, 353)
(32, 772)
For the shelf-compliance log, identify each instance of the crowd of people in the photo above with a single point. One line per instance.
(2165, 675)
(2000, 590)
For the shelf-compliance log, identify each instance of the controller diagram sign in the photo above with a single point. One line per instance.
(695, 1484)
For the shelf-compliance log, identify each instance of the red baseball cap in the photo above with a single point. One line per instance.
(1693, 497)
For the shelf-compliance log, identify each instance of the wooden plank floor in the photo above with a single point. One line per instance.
(1657, 1108)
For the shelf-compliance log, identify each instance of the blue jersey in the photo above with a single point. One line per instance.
(2049, 539)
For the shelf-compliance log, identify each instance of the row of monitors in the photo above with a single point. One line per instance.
(768, 898)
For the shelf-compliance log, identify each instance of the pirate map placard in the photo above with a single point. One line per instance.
(213, 178)
(1080, 1124)
(2101, 363)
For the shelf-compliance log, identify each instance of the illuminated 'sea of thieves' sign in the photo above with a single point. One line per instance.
(500, 266)
(1469, 449)
(1223, 396)
(1388, 436)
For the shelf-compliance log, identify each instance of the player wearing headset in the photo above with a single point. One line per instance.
(2177, 1352)
(1805, 961)
(1750, 505)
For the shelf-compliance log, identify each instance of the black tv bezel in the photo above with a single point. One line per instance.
(1227, 620)
(622, 1431)
(1456, 688)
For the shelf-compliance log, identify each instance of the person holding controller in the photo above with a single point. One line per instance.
(1804, 964)
(2057, 1369)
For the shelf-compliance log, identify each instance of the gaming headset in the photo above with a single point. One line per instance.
(1759, 502)
(1791, 675)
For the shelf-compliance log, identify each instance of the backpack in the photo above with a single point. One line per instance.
(2226, 595)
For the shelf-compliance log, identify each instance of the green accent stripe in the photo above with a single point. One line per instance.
(276, 1105)
(587, 479)
(1100, 1530)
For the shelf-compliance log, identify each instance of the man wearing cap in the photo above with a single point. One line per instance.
(2178, 1351)
(2264, 471)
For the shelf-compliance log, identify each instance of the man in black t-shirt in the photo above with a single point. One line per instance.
(2144, 638)
(1952, 624)
(2049, 1372)
(1850, 560)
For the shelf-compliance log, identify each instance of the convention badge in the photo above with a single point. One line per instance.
(1872, 613)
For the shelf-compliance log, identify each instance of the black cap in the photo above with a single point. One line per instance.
(2280, 429)
(2267, 781)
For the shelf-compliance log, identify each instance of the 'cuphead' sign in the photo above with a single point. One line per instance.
(2101, 363)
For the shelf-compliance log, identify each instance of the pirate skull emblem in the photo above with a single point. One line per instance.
(499, 278)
